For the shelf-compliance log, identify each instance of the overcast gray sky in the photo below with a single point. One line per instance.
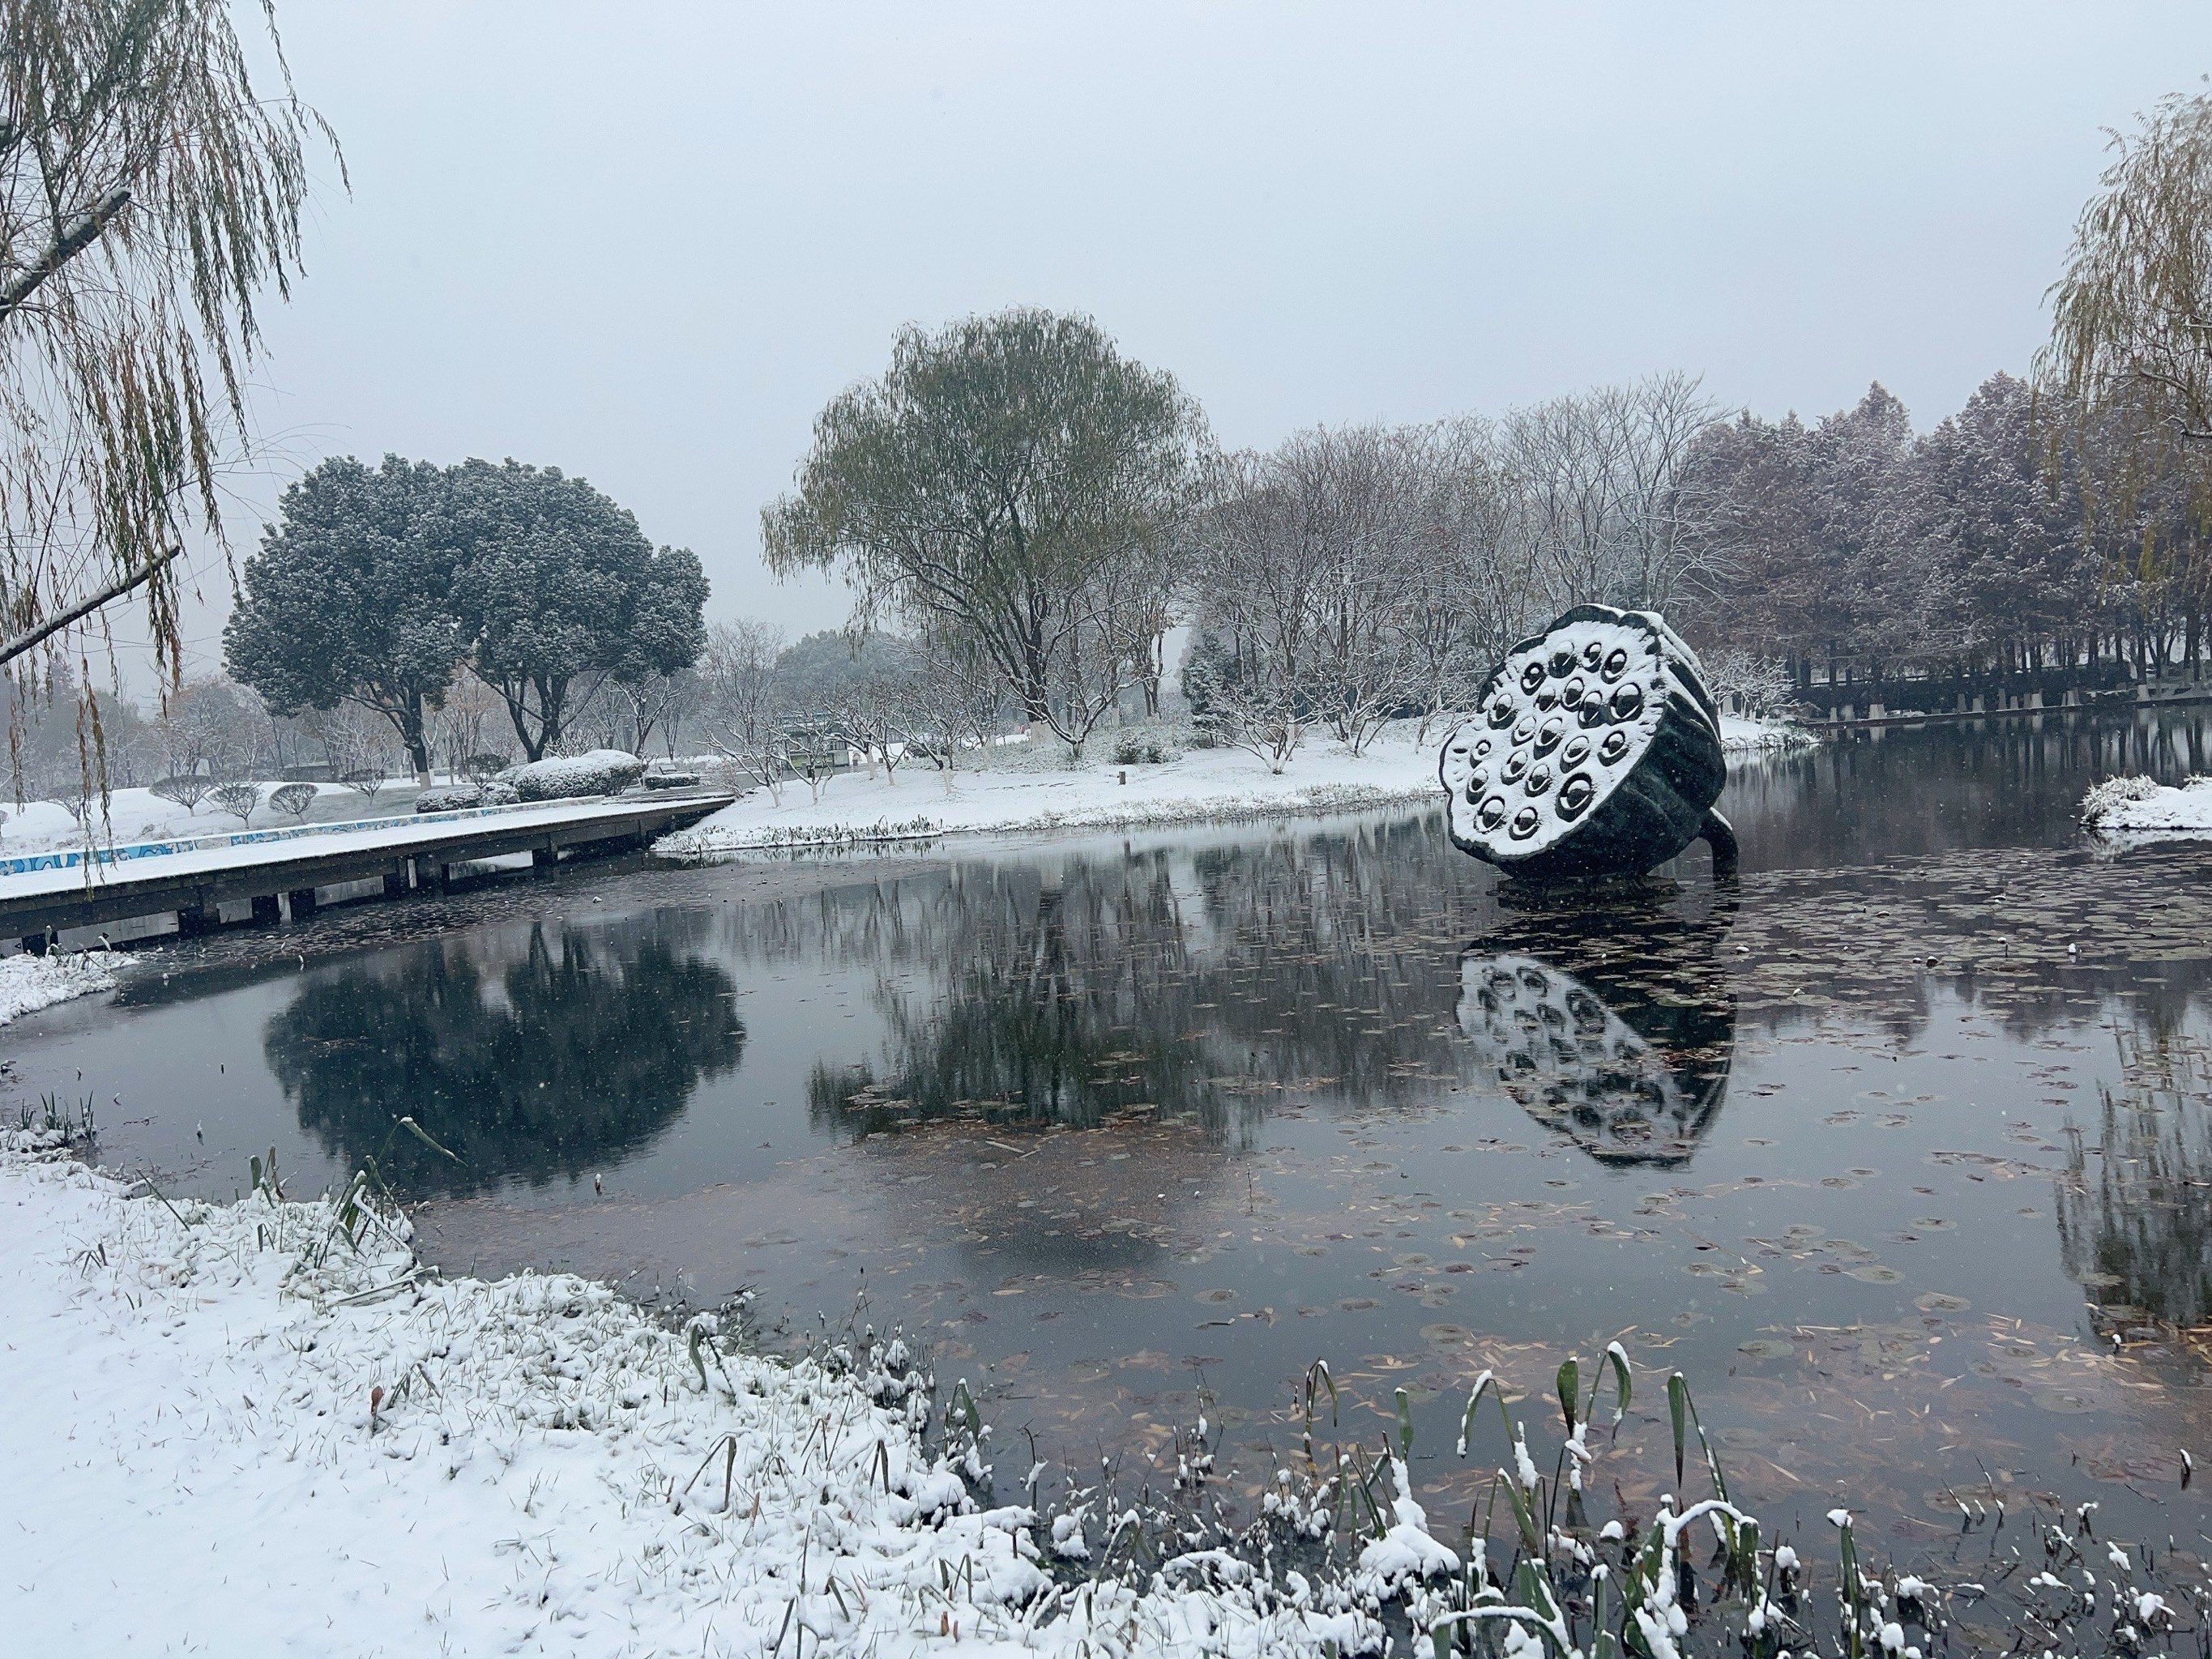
(645, 242)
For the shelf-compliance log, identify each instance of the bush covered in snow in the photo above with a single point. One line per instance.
(601, 772)
(458, 797)
(2104, 796)
(293, 799)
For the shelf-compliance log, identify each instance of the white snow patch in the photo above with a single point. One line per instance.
(1406, 1552)
(2139, 806)
(226, 1426)
(28, 983)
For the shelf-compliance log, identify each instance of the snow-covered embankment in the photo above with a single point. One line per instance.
(1205, 786)
(28, 983)
(229, 1425)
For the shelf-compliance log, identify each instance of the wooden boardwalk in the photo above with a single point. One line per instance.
(278, 873)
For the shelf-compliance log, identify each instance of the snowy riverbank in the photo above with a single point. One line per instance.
(28, 983)
(1205, 786)
(229, 1429)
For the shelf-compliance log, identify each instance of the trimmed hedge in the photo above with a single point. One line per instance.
(601, 772)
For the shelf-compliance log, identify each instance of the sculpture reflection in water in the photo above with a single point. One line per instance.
(1615, 1027)
(578, 1055)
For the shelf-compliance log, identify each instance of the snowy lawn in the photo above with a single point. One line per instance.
(231, 1430)
(1205, 786)
(41, 826)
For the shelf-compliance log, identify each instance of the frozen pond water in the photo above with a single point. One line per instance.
(1898, 1152)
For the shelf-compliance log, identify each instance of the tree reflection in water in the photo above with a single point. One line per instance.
(1614, 1025)
(578, 1053)
(1196, 984)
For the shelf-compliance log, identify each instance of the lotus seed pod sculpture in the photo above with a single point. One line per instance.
(1595, 750)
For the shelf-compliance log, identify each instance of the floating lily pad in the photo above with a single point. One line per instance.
(1941, 1302)
(1766, 1347)
(1447, 1336)
(2065, 1401)
(1874, 1273)
(1217, 1295)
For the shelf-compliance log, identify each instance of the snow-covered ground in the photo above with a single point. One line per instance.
(2138, 808)
(1204, 786)
(230, 1430)
(28, 983)
(39, 826)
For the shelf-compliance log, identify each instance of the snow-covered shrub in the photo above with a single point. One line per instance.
(1143, 749)
(601, 772)
(240, 801)
(451, 799)
(2111, 792)
(293, 799)
(187, 790)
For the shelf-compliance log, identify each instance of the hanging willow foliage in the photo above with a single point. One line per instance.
(148, 195)
(2130, 346)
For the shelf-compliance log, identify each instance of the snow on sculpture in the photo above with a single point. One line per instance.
(1594, 750)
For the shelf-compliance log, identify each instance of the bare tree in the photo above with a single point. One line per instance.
(1314, 572)
(1615, 505)
(741, 702)
(953, 701)
(240, 799)
(206, 729)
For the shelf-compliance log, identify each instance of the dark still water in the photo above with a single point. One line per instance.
(1884, 1150)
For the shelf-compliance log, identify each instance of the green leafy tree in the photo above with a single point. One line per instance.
(150, 191)
(349, 600)
(1002, 481)
(559, 592)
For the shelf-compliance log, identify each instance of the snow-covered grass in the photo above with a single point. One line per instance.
(2141, 806)
(268, 1426)
(1744, 734)
(28, 983)
(265, 1426)
(1028, 795)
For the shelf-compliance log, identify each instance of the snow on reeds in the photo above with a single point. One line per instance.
(28, 983)
(270, 1424)
(2139, 805)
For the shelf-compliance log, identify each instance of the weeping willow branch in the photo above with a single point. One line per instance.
(150, 193)
(31, 639)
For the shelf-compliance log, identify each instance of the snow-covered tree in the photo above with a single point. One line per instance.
(558, 591)
(351, 598)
